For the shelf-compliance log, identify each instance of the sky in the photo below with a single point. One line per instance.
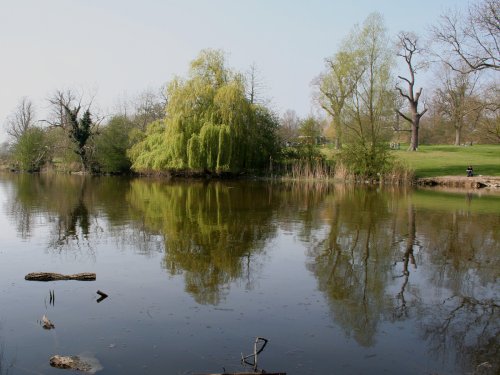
(118, 48)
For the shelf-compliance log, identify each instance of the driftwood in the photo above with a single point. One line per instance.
(245, 359)
(49, 276)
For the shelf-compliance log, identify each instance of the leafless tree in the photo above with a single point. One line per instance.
(149, 106)
(289, 126)
(62, 104)
(21, 119)
(457, 99)
(409, 49)
(255, 84)
(490, 120)
(472, 42)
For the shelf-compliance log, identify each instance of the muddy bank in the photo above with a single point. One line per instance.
(476, 182)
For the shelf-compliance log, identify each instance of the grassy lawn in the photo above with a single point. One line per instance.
(439, 160)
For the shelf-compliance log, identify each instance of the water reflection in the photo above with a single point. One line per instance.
(426, 259)
(367, 268)
(70, 205)
(212, 232)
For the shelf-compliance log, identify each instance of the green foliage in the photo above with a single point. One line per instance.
(62, 149)
(111, 146)
(80, 130)
(31, 150)
(366, 160)
(337, 84)
(369, 110)
(310, 132)
(210, 124)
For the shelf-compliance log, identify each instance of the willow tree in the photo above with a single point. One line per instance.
(210, 124)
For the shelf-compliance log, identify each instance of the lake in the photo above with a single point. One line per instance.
(339, 279)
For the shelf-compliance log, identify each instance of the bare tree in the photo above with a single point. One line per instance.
(255, 84)
(408, 49)
(490, 119)
(457, 101)
(149, 106)
(472, 42)
(21, 119)
(289, 126)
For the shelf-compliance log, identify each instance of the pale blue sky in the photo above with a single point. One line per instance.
(122, 47)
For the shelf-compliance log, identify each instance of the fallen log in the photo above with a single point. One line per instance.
(49, 276)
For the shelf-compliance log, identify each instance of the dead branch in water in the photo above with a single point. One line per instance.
(102, 296)
(49, 276)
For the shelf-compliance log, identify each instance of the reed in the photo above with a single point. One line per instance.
(399, 174)
(308, 169)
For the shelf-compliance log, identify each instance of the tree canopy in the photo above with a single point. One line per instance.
(210, 124)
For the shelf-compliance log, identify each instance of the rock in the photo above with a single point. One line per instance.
(46, 323)
(69, 362)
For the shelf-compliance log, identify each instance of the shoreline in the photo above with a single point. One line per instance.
(476, 182)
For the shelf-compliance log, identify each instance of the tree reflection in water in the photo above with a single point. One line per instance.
(374, 242)
(212, 232)
(378, 256)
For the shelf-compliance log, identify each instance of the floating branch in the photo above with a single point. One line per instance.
(245, 361)
(49, 276)
(102, 296)
(256, 352)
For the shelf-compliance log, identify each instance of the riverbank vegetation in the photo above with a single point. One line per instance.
(214, 121)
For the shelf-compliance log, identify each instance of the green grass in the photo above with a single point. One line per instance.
(439, 160)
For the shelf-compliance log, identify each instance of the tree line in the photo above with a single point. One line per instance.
(213, 120)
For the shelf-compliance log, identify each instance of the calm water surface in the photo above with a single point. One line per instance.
(341, 280)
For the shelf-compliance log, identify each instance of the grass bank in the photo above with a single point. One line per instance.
(442, 160)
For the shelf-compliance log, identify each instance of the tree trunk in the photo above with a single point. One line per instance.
(338, 134)
(415, 122)
(458, 136)
(414, 136)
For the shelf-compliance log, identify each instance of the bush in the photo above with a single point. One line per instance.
(111, 146)
(366, 161)
(31, 150)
